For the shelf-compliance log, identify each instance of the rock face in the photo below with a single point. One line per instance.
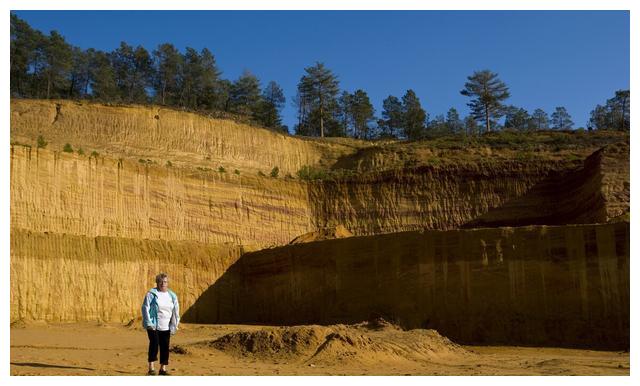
(538, 285)
(158, 189)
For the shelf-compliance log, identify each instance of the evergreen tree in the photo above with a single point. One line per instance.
(191, 75)
(437, 127)
(102, 78)
(540, 119)
(471, 125)
(167, 63)
(516, 118)
(244, 95)
(620, 106)
(362, 113)
(133, 70)
(453, 122)
(208, 85)
(318, 89)
(272, 102)
(614, 114)
(561, 120)
(58, 61)
(80, 73)
(413, 116)
(23, 46)
(488, 92)
(344, 115)
(391, 123)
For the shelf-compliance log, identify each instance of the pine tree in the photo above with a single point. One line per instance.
(102, 79)
(413, 116)
(362, 113)
(80, 73)
(133, 70)
(561, 120)
(516, 118)
(453, 122)
(23, 47)
(167, 63)
(318, 88)
(245, 94)
(471, 126)
(271, 104)
(488, 92)
(392, 116)
(620, 105)
(540, 119)
(58, 56)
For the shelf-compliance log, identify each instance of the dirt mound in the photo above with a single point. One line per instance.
(337, 232)
(364, 342)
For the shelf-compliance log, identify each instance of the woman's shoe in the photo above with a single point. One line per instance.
(163, 372)
(151, 372)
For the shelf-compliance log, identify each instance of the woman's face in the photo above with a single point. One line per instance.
(163, 285)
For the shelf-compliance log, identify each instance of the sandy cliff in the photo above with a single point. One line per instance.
(152, 198)
(538, 285)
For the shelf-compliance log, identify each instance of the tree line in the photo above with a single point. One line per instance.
(46, 66)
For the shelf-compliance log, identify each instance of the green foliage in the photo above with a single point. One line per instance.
(41, 142)
(94, 153)
(391, 122)
(488, 92)
(561, 120)
(261, 174)
(221, 169)
(275, 171)
(169, 164)
(310, 173)
(237, 172)
(244, 96)
(67, 148)
(80, 151)
(203, 169)
(615, 114)
(270, 106)
(413, 116)
(316, 100)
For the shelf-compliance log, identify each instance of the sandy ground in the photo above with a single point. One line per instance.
(113, 349)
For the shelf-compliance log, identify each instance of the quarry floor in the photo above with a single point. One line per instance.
(114, 349)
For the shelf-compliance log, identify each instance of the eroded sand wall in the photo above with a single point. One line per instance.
(424, 197)
(165, 132)
(565, 285)
(58, 277)
(67, 193)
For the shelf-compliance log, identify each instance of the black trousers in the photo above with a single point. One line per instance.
(159, 338)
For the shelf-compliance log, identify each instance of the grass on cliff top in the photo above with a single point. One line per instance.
(550, 140)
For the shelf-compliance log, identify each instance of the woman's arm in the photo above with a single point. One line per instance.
(175, 316)
(146, 317)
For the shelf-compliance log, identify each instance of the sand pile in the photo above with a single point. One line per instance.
(365, 342)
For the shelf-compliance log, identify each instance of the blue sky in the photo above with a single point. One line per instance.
(575, 59)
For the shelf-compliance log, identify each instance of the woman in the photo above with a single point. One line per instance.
(160, 317)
